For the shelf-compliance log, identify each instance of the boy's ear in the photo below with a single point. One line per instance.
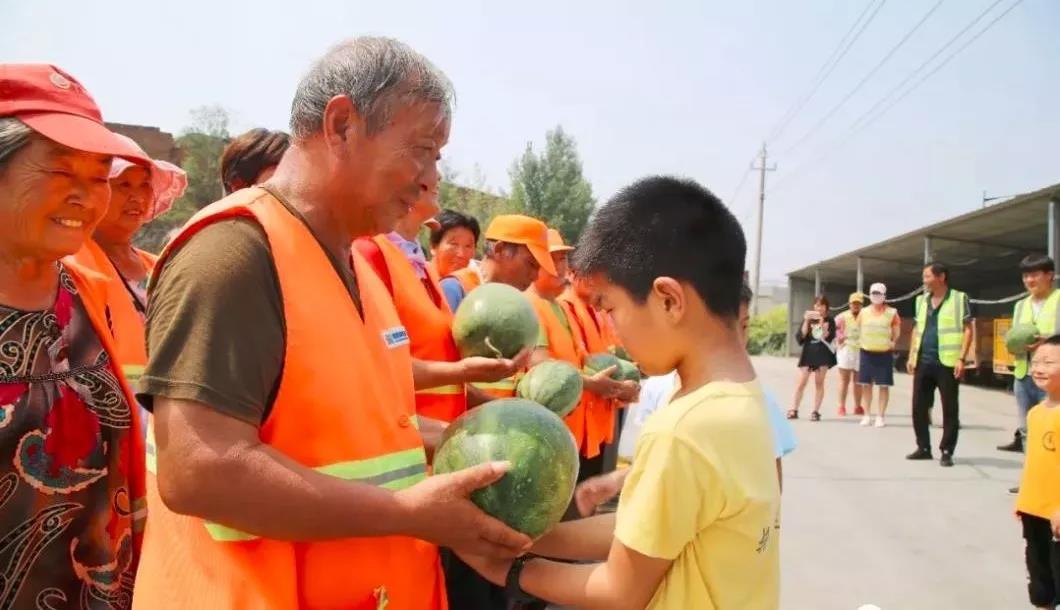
(671, 296)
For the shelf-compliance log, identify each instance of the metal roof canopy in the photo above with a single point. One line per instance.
(982, 248)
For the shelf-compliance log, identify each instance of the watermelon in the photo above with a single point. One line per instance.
(628, 371)
(494, 320)
(598, 362)
(555, 384)
(535, 492)
(1019, 337)
(620, 352)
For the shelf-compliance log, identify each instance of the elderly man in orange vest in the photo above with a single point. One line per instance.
(291, 466)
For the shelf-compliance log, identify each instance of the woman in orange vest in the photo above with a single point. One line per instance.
(138, 194)
(72, 463)
(438, 371)
(454, 238)
(563, 338)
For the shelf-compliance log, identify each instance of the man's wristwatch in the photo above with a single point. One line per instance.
(512, 590)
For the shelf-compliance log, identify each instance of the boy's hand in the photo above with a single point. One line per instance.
(593, 492)
(1055, 523)
(491, 568)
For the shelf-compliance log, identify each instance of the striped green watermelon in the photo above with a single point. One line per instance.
(555, 384)
(494, 320)
(620, 352)
(598, 362)
(533, 495)
(1019, 337)
(628, 371)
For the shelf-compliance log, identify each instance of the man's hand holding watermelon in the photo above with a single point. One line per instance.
(438, 510)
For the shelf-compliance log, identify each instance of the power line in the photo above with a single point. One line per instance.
(825, 70)
(943, 63)
(861, 123)
(817, 126)
(925, 64)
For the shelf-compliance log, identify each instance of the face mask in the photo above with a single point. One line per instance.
(878, 299)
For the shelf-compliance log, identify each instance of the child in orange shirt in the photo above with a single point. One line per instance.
(1038, 503)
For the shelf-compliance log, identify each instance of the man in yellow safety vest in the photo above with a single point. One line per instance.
(941, 340)
(1041, 307)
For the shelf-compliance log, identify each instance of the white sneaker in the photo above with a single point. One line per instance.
(880, 423)
(866, 421)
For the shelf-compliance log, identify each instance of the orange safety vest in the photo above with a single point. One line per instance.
(126, 323)
(568, 346)
(469, 278)
(92, 287)
(600, 414)
(345, 408)
(430, 330)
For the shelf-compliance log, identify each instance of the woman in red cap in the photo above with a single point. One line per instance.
(71, 462)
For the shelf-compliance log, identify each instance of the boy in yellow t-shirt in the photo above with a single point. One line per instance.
(696, 523)
(1038, 501)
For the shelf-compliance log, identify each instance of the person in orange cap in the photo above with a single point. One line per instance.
(563, 338)
(516, 247)
(72, 463)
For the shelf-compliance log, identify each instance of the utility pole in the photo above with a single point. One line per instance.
(762, 168)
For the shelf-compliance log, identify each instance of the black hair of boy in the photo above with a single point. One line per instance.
(452, 219)
(1054, 340)
(746, 295)
(1034, 263)
(667, 227)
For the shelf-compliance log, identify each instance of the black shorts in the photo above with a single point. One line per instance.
(876, 368)
(1043, 561)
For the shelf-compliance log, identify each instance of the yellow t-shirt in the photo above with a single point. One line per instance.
(1039, 493)
(703, 492)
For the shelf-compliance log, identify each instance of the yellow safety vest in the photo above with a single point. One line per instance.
(1047, 321)
(876, 329)
(851, 330)
(950, 334)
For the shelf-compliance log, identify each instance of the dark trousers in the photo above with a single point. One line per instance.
(1043, 561)
(927, 378)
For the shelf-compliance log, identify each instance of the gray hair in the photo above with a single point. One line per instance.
(14, 134)
(377, 74)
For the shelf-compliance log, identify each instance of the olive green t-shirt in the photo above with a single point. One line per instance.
(215, 325)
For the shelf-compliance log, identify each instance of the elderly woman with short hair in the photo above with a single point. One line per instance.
(72, 467)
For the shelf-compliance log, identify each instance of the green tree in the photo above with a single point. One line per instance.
(768, 331)
(550, 186)
(201, 144)
(473, 196)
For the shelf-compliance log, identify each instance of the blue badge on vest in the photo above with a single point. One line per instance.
(396, 337)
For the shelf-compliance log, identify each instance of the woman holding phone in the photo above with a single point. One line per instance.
(816, 336)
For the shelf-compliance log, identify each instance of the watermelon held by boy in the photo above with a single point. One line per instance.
(599, 362)
(494, 320)
(555, 384)
(1019, 337)
(535, 492)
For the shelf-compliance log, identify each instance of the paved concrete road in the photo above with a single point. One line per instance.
(861, 525)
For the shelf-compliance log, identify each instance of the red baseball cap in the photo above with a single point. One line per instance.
(57, 106)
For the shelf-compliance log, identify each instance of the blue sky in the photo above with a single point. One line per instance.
(688, 88)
